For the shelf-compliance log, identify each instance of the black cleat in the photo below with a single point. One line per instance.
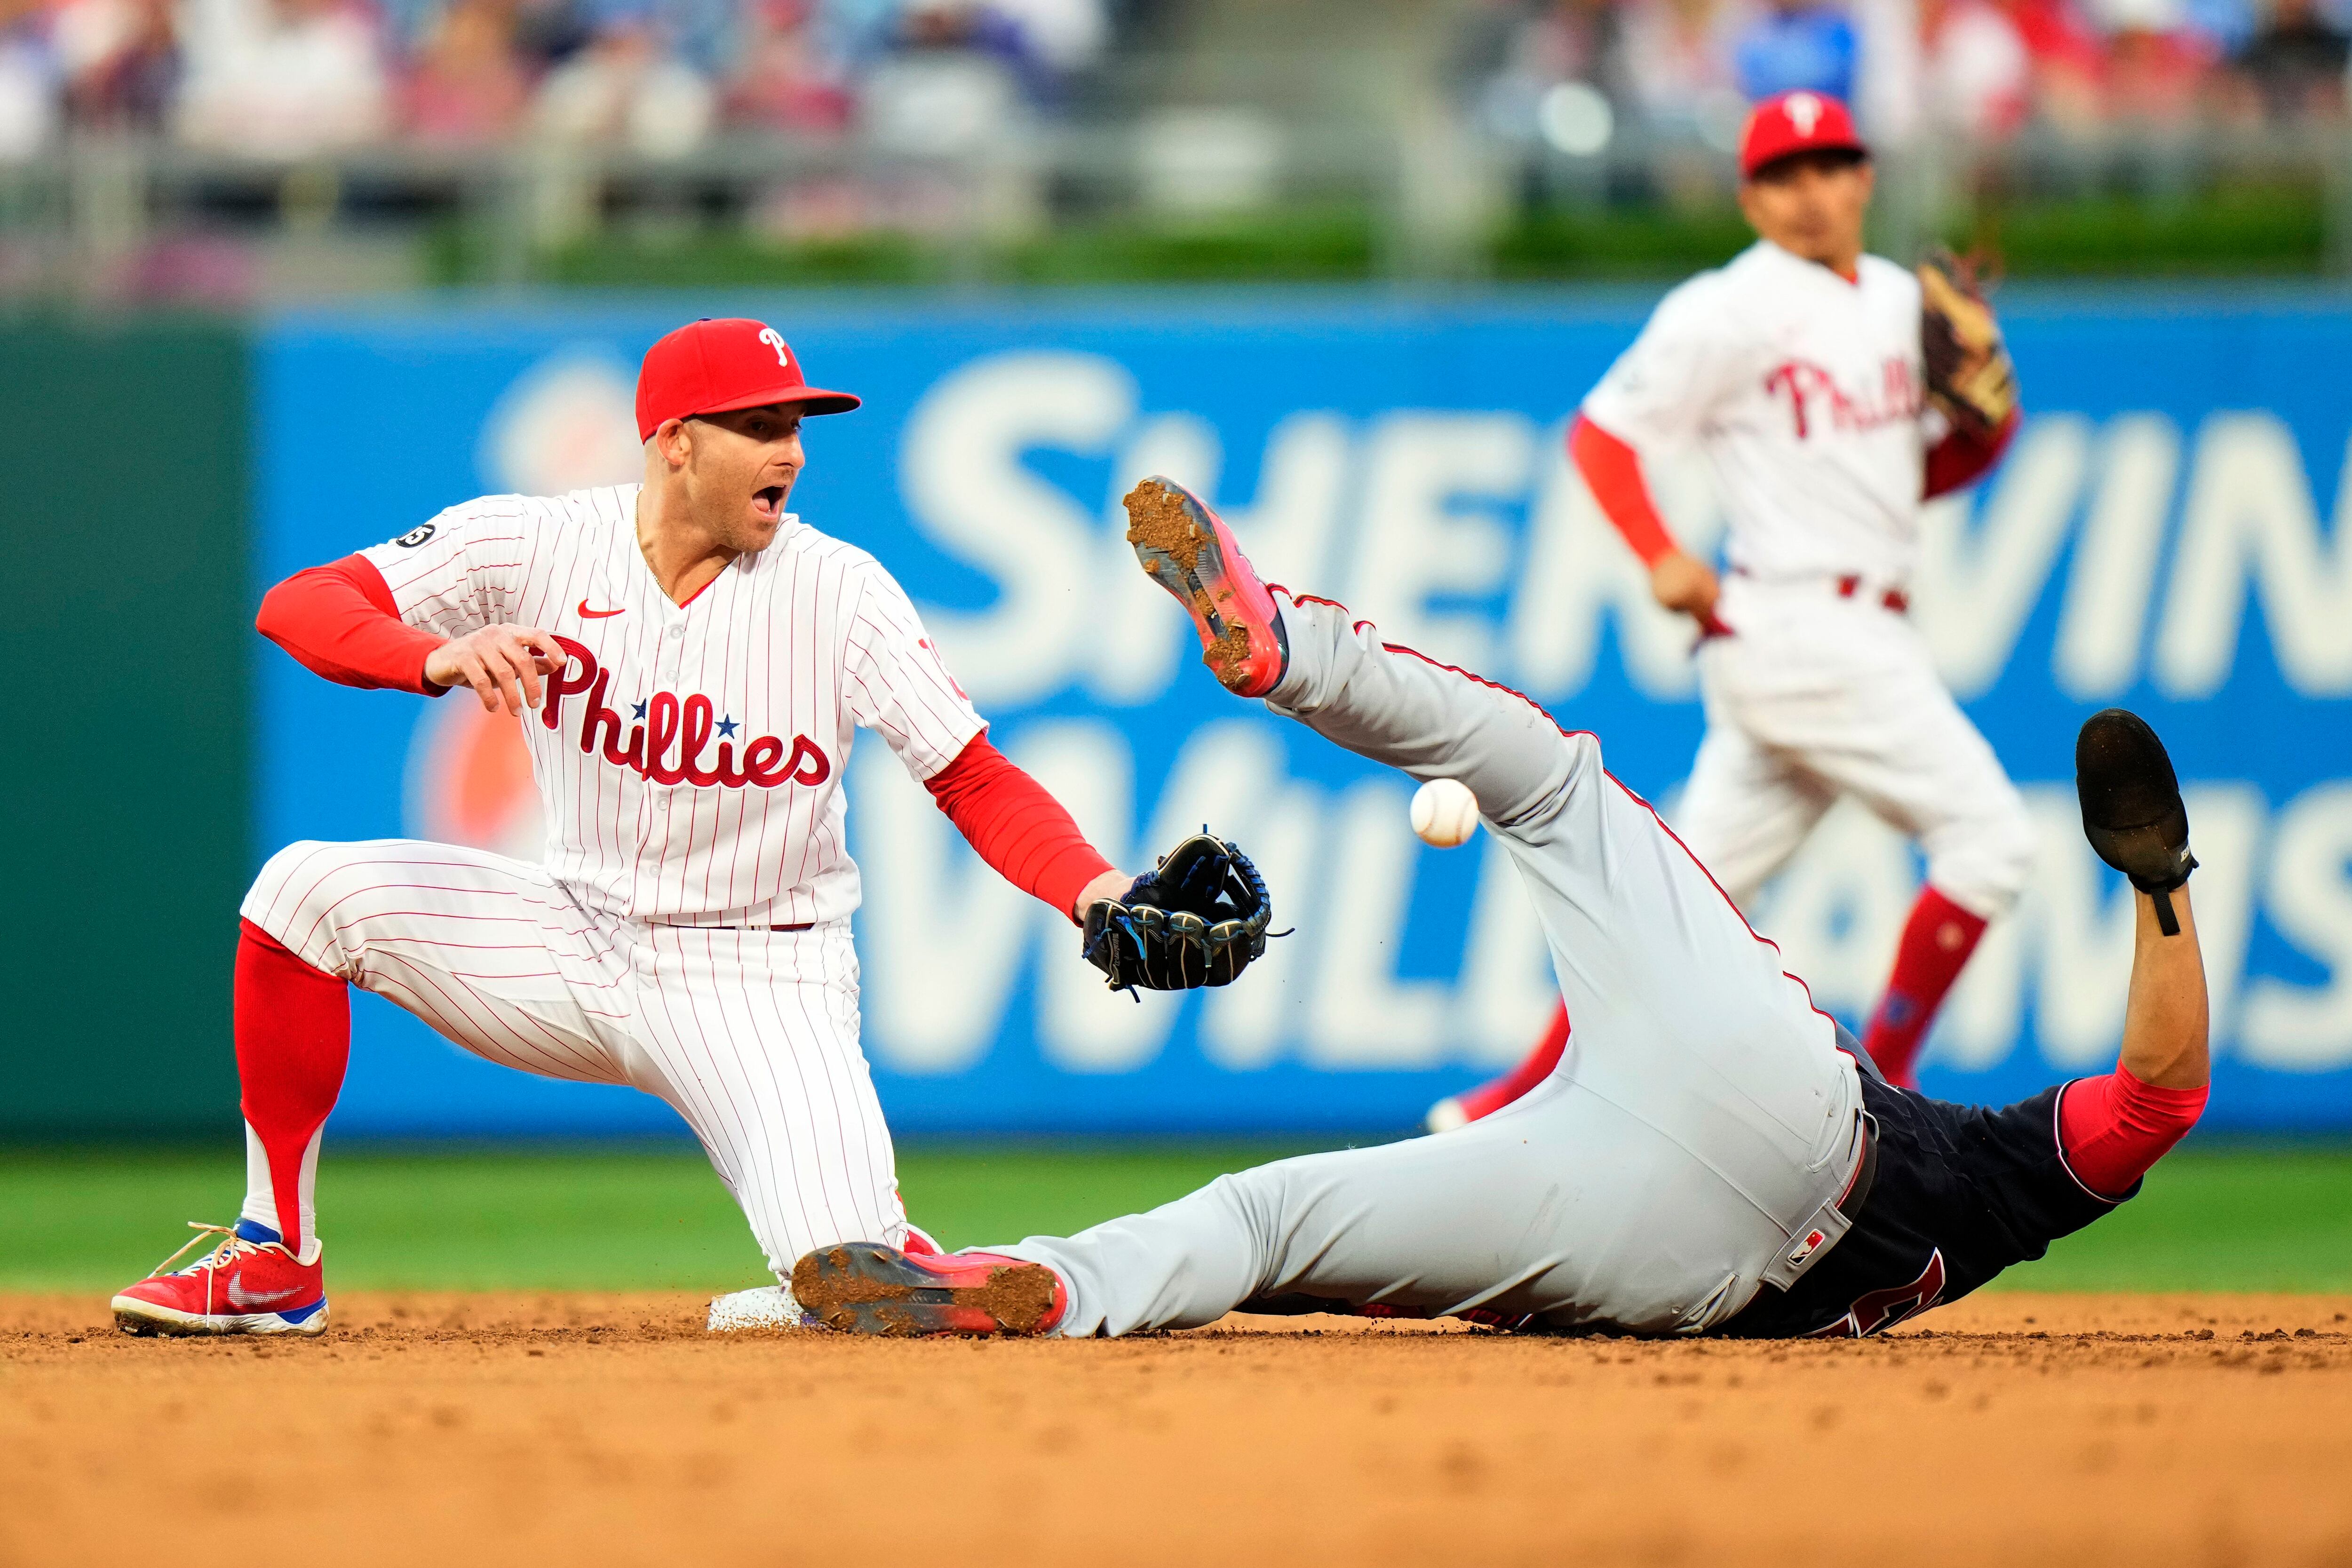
(865, 1288)
(2131, 806)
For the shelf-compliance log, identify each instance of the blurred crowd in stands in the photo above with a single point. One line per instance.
(1557, 70)
(291, 79)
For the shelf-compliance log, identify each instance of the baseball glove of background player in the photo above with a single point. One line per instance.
(1198, 917)
(1969, 376)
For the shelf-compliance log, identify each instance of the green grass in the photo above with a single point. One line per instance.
(2220, 1219)
(2217, 1219)
(564, 1218)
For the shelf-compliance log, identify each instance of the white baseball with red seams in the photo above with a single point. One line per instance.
(690, 759)
(1444, 814)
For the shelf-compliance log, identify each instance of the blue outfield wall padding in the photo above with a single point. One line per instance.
(2166, 534)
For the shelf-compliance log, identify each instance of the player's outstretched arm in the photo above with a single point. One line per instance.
(2114, 1128)
(1023, 834)
(2166, 1016)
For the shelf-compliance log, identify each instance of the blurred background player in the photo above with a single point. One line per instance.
(1798, 370)
(687, 932)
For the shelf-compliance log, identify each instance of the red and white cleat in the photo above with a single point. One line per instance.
(865, 1288)
(249, 1284)
(1190, 552)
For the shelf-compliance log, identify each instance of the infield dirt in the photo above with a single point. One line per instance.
(2074, 1430)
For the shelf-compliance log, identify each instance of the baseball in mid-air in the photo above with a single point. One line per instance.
(1445, 813)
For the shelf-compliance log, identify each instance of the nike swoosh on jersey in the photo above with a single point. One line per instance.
(588, 615)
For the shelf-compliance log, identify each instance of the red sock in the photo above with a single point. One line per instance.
(1488, 1098)
(293, 1041)
(1937, 941)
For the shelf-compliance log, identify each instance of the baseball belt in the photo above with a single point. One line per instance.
(1866, 1170)
(1846, 586)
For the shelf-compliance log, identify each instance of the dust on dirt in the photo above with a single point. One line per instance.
(2079, 1430)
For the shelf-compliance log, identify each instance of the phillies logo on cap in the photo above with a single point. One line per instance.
(1797, 122)
(718, 366)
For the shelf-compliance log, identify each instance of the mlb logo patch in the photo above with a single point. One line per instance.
(1806, 1247)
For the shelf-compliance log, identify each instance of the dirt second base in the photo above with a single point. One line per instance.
(591, 1430)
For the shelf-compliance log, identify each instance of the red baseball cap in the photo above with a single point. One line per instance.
(716, 365)
(1798, 121)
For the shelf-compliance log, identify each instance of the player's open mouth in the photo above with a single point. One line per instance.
(769, 501)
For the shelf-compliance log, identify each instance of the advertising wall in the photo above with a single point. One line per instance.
(2164, 535)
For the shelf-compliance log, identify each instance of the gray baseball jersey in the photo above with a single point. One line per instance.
(1691, 1148)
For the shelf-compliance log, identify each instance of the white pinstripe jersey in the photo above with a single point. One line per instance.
(1807, 394)
(690, 757)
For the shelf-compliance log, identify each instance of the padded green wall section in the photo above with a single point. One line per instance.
(124, 798)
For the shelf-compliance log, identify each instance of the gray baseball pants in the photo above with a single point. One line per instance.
(1697, 1132)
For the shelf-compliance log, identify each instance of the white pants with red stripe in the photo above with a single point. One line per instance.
(1697, 1134)
(1815, 696)
(752, 1035)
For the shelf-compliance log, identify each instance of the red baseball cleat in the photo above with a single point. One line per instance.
(249, 1284)
(1189, 551)
(865, 1288)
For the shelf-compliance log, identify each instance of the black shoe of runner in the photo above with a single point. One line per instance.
(2131, 806)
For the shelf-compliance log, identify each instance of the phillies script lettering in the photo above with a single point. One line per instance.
(1814, 394)
(689, 724)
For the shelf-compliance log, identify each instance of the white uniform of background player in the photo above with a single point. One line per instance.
(1798, 371)
(1804, 392)
(1801, 378)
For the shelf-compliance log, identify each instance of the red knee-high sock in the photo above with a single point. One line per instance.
(1937, 941)
(1489, 1097)
(293, 1041)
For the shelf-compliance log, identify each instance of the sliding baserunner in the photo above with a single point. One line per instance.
(1709, 1156)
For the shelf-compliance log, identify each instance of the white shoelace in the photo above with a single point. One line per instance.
(227, 1250)
(230, 1245)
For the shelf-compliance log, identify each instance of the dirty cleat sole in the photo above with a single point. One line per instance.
(865, 1288)
(151, 1319)
(1189, 552)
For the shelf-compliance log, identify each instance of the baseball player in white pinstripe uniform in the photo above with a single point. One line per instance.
(689, 660)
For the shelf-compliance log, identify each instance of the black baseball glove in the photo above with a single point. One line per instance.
(1198, 917)
(2131, 806)
(1969, 376)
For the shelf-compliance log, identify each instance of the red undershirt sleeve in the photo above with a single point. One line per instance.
(1018, 828)
(1961, 459)
(339, 621)
(2113, 1128)
(1612, 471)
